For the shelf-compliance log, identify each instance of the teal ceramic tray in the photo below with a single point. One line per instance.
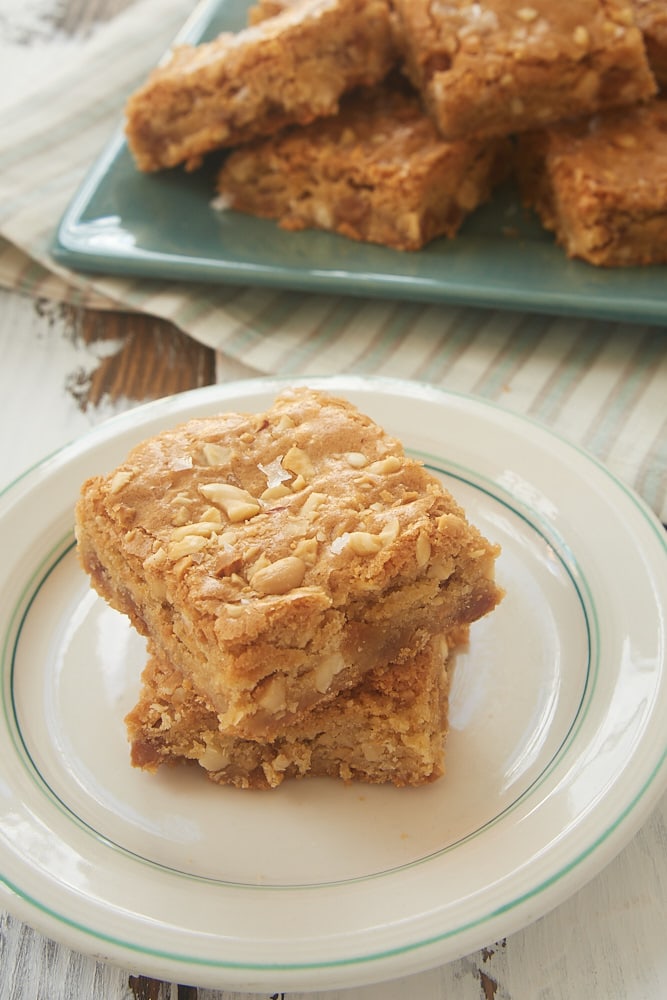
(122, 222)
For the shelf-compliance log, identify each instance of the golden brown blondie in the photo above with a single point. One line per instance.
(291, 67)
(275, 558)
(391, 728)
(378, 171)
(500, 67)
(601, 184)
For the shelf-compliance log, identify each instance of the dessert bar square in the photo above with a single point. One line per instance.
(499, 67)
(391, 728)
(601, 184)
(291, 67)
(274, 558)
(378, 171)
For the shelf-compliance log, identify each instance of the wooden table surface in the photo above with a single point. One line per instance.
(64, 369)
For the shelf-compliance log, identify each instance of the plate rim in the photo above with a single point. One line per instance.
(64, 549)
(630, 819)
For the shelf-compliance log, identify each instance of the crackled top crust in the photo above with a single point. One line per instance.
(310, 498)
(498, 66)
(619, 159)
(290, 66)
(626, 148)
(276, 557)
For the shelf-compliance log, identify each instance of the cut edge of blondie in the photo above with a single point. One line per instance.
(291, 67)
(390, 729)
(377, 172)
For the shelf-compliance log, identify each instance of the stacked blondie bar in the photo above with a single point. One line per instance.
(300, 581)
(390, 121)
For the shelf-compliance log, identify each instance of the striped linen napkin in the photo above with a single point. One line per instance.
(601, 384)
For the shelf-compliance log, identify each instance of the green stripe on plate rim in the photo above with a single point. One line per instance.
(452, 470)
(214, 963)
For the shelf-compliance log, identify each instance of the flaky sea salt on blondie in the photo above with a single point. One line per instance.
(390, 728)
(500, 67)
(274, 558)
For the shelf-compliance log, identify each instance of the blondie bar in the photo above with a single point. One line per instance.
(274, 558)
(499, 67)
(601, 184)
(378, 171)
(391, 728)
(291, 67)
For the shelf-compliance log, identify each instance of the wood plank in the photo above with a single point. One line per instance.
(68, 370)
(72, 368)
(155, 359)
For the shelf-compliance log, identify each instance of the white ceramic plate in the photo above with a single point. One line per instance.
(556, 753)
